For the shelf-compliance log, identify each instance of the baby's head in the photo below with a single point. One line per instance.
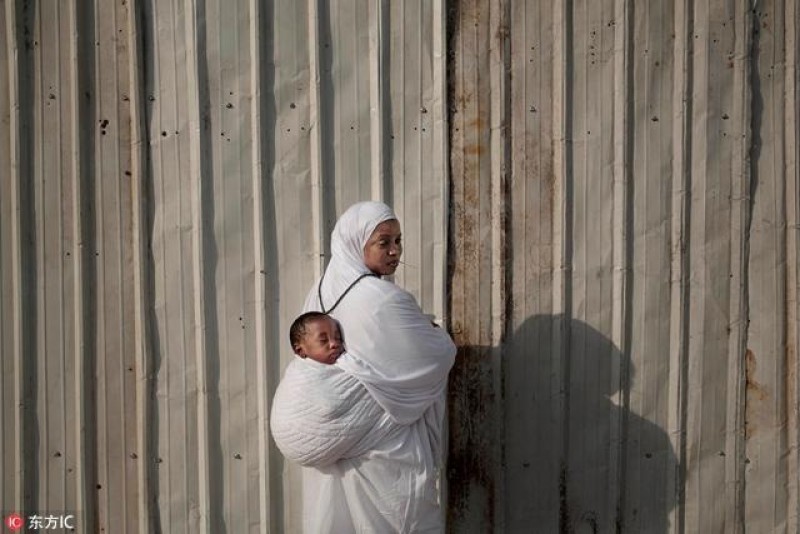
(317, 336)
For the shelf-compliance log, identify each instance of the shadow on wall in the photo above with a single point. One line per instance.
(573, 457)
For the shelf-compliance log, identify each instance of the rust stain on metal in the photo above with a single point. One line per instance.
(754, 392)
(474, 149)
(477, 123)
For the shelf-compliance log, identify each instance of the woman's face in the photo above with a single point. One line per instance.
(384, 248)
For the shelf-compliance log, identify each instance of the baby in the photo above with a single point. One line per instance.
(317, 336)
(320, 413)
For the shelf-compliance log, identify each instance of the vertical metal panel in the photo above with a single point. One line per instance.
(263, 247)
(112, 241)
(141, 270)
(678, 248)
(345, 88)
(480, 161)
(713, 461)
(7, 331)
(85, 467)
(22, 303)
(649, 457)
(533, 189)
(592, 377)
(226, 233)
(173, 269)
(766, 485)
(792, 197)
(469, 469)
(202, 259)
(17, 255)
(52, 269)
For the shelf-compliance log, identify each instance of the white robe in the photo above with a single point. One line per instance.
(403, 361)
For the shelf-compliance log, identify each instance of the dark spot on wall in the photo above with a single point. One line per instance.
(471, 454)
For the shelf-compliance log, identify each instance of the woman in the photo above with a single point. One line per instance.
(402, 360)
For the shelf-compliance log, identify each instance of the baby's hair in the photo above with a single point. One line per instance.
(298, 329)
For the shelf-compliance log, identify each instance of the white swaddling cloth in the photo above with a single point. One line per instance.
(402, 361)
(322, 414)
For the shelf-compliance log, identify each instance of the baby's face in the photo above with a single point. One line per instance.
(322, 342)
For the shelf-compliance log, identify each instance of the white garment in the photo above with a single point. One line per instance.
(403, 361)
(321, 414)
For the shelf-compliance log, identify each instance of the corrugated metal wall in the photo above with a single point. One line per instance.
(171, 172)
(621, 277)
(624, 266)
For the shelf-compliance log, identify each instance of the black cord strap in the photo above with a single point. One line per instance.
(319, 291)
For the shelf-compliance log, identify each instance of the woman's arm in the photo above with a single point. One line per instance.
(400, 357)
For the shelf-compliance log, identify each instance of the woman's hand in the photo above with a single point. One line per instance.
(432, 318)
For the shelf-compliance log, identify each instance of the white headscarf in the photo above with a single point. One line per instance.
(392, 347)
(349, 236)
